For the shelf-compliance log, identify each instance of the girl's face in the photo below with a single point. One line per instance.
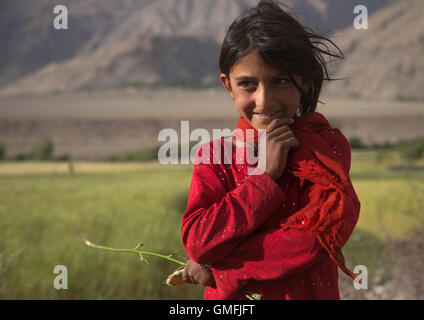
(262, 92)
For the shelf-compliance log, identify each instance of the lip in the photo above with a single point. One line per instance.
(267, 115)
(263, 116)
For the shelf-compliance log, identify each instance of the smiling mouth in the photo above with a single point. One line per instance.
(264, 114)
(269, 114)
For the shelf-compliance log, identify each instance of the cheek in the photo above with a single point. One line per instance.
(290, 98)
(244, 103)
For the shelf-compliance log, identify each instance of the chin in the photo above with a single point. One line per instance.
(262, 121)
(260, 125)
(263, 125)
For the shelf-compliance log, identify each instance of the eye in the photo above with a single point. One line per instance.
(282, 81)
(246, 84)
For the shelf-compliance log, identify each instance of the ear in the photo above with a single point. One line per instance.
(226, 83)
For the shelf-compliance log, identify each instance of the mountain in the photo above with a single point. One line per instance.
(386, 60)
(31, 42)
(113, 43)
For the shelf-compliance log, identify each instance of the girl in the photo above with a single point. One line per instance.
(279, 233)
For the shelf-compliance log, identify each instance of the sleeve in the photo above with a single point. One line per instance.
(271, 254)
(276, 253)
(217, 219)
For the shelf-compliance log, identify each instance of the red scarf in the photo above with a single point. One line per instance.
(331, 194)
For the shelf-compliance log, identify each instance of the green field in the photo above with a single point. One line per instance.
(42, 207)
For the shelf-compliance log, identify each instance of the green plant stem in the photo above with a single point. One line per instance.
(90, 244)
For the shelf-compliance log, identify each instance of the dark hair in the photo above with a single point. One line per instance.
(283, 42)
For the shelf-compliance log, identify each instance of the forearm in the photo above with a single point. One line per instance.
(211, 232)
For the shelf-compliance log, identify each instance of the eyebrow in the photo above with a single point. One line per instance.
(245, 77)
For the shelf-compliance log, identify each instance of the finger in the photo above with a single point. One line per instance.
(278, 131)
(284, 136)
(189, 279)
(290, 142)
(275, 123)
(203, 281)
(185, 275)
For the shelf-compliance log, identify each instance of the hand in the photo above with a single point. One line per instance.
(196, 274)
(279, 140)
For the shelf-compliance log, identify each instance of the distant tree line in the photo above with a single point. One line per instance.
(41, 151)
(410, 149)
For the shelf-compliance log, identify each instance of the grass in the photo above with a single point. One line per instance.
(391, 192)
(123, 204)
(41, 213)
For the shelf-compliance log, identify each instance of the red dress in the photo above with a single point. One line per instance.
(233, 223)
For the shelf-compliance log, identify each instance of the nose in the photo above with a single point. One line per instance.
(263, 98)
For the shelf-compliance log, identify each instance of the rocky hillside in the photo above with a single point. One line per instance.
(385, 61)
(113, 43)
